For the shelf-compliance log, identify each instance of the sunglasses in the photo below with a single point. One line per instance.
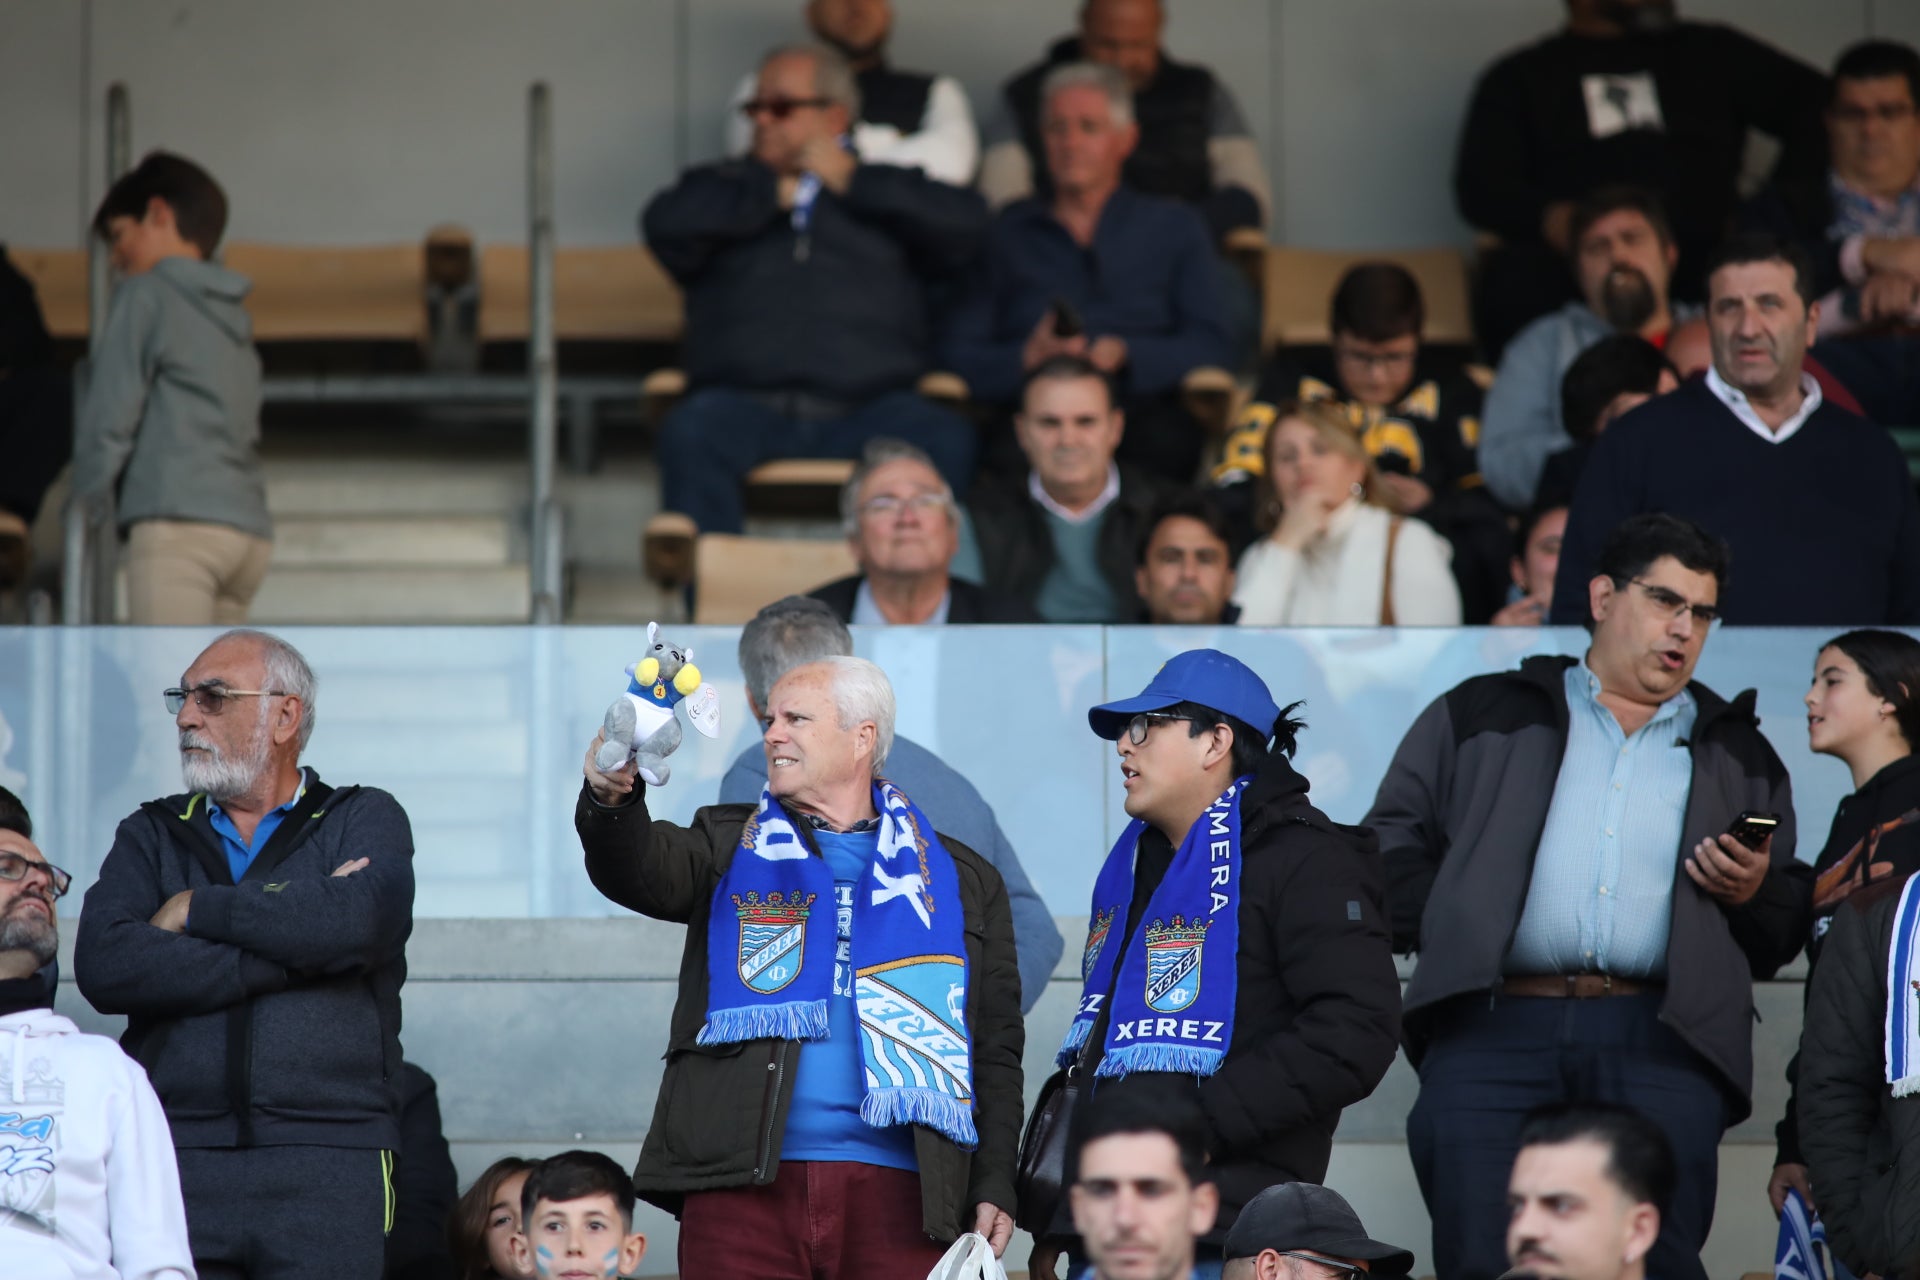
(1138, 726)
(779, 108)
(212, 697)
(14, 867)
(1346, 1270)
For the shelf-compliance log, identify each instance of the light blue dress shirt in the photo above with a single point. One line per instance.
(1601, 898)
(240, 854)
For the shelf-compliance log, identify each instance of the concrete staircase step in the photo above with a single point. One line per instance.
(366, 541)
(394, 487)
(460, 594)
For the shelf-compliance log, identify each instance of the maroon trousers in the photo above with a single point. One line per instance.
(820, 1220)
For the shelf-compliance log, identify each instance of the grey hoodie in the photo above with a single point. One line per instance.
(171, 414)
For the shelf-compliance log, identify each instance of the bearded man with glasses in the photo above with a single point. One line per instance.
(253, 931)
(1559, 852)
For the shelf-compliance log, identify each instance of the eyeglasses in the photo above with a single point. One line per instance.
(1885, 113)
(779, 108)
(887, 504)
(1673, 606)
(1138, 726)
(1371, 360)
(212, 697)
(14, 867)
(1346, 1269)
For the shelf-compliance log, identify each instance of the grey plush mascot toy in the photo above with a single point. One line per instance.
(640, 725)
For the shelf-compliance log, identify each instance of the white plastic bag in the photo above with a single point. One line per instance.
(970, 1258)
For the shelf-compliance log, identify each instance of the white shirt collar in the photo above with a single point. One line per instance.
(1736, 400)
(1039, 494)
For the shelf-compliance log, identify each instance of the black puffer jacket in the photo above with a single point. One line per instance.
(1862, 1143)
(1317, 1009)
(1016, 547)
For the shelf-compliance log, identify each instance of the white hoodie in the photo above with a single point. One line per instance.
(89, 1189)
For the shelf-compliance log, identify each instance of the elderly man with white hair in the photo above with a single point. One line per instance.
(905, 530)
(1097, 269)
(843, 1087)
(254, 932)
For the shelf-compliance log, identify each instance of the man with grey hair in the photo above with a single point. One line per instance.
(1099, 270)
(797, 630)
(843, 1087)
(253, 931)
(904, 527)
(809, 277)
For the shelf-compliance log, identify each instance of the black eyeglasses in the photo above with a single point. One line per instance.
(1346, 1269)
(1138, 726)
(212, 697)
(14, 867)
(779, 108)
(1674, 605)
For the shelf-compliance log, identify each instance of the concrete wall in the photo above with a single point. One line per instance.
(369, 120)
(547, 1034)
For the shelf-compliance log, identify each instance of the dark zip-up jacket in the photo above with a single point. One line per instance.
(1016, 546)
(1862, 1143)
(1459, 816)
(1316, 1011)
(274, 1020)
(722, 1110)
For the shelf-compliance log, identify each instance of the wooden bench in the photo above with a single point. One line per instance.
(59, 277)
(322, 293)
(613, 294)
(735, 577)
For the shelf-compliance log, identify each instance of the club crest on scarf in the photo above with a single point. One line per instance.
(773, 937)
(1173, 963)
(1097, 931)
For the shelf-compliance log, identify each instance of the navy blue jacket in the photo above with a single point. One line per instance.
(1824, 527)
(1149, 277)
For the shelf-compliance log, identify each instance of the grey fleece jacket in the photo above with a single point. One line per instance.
(1521, 423)
(274, 1019)
(171, 414)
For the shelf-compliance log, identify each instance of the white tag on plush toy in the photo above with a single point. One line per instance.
(703, 709)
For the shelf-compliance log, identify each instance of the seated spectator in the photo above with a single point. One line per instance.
(1332, 554)
(1859, 224)
(1813, 499)
(577, 1208)
(1419, 425)
(907, 118)
(36, 402)
(1626, 93)
(1297, 1222)
(1624, 254)
(425, 1186)
(795, 631)
(1098, 270)
(1063, 535)
(1194, 142)
(485, 1220)
(807, 276)
(1588, 1192)
(90, 1184)
(1138, 1184)
(1185, 572)
(904, 526)
(170, 424)
(1536, 558)
(1620, 372)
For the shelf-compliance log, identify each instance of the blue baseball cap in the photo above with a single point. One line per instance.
(1206, 676)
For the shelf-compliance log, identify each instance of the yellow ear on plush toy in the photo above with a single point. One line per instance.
(687, 679)
(647, 671)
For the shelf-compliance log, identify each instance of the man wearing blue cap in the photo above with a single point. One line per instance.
(1237, 948)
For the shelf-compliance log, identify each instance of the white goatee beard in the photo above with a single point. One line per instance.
(224, 777)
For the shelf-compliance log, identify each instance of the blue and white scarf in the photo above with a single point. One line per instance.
(770, 960)
(1172, 990)
(1801, 1251)
(1903, 994)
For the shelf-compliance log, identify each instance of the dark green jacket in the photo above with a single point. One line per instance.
(1862, 1143)
(722, 1110)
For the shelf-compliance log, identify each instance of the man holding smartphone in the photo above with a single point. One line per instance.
(1560, 851)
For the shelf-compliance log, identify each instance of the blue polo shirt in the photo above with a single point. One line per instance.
(240, 854)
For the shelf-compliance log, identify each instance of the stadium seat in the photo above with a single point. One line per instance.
(326, 293)
(610, 294)
(1300, 284)
(735, 577)
(60, 279)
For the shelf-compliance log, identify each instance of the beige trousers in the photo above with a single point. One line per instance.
(182, 573)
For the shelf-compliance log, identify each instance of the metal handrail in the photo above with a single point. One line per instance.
(546, 531)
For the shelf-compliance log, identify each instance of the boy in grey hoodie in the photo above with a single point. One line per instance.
(170, 423)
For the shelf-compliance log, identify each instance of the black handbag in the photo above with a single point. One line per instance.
(1040, 1176)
